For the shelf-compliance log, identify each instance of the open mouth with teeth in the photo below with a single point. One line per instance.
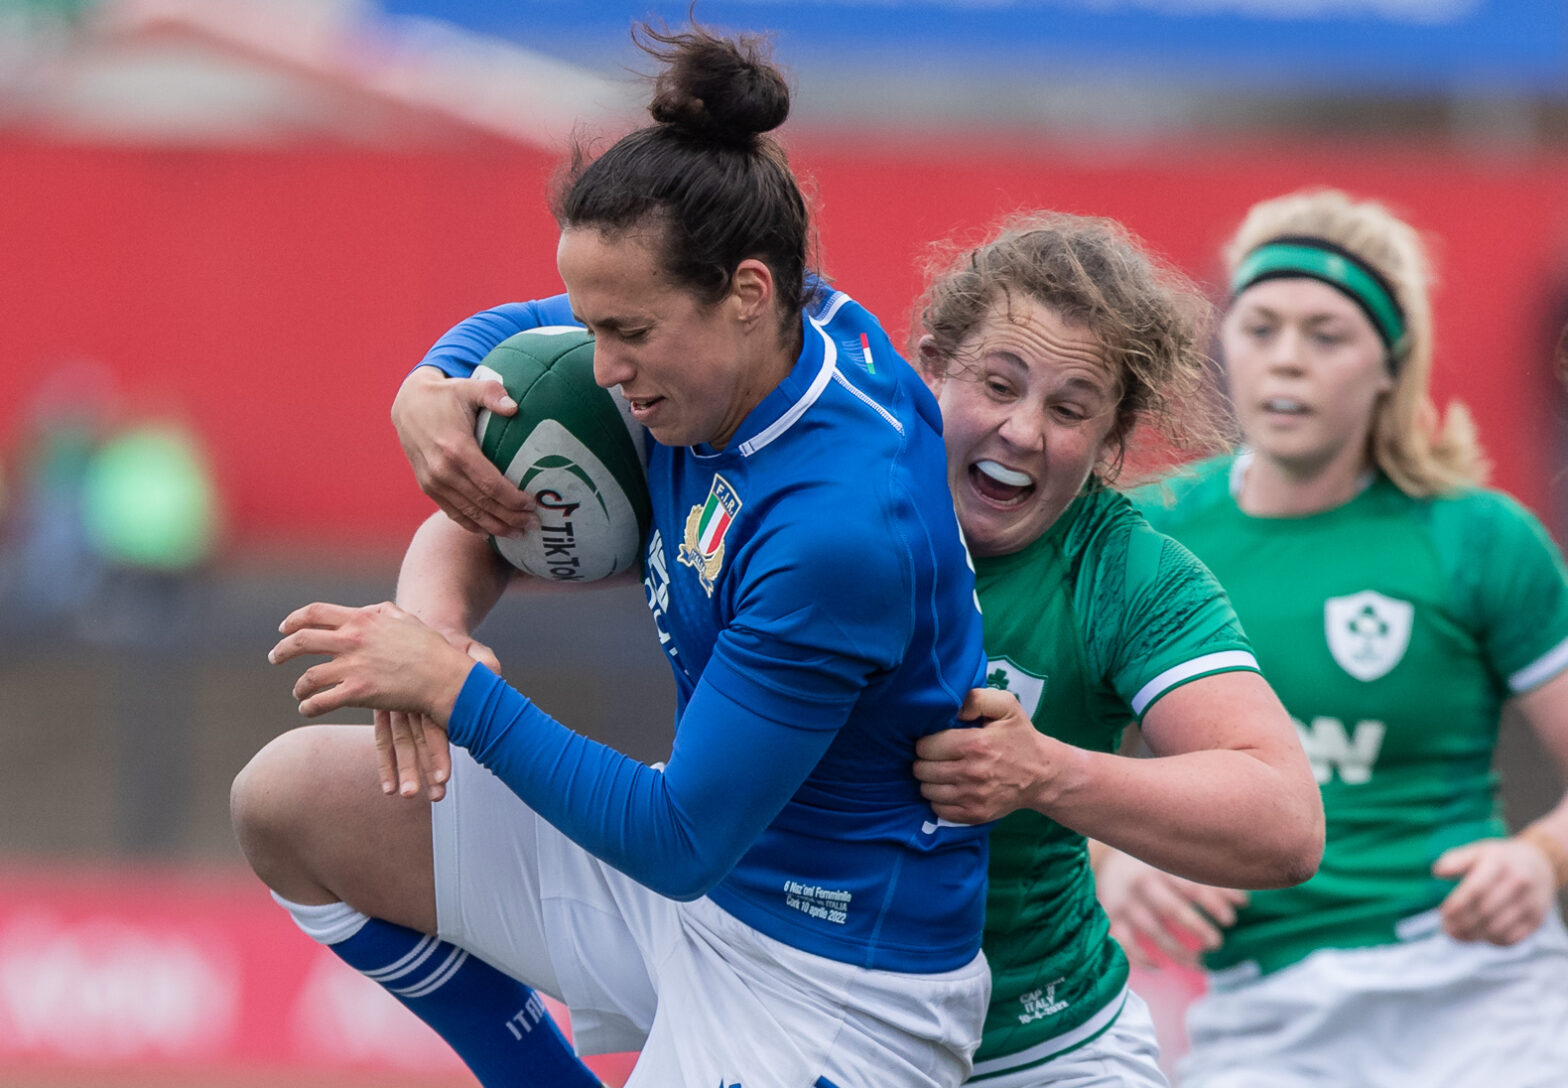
(1000, 484)
(1285, 406)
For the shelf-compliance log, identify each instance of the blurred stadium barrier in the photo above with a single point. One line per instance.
(190, 976)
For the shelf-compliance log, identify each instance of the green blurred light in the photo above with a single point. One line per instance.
(149, 501)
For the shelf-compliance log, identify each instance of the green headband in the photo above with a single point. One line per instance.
(1319, 260)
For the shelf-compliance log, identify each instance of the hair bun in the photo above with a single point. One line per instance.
(719, 89)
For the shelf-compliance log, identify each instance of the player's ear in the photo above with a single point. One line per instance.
(752, 290)
(933, 364)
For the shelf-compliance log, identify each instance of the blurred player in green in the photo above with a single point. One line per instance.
(1397, 607)
(1046, 347)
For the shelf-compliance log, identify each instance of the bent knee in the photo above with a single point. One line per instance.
(313, 822)
(281, 796)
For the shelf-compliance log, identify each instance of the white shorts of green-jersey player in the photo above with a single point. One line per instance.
(1428, 1010)
(1402, 612)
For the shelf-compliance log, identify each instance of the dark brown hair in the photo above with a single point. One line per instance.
(704, 173)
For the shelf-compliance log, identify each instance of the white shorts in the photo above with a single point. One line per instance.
(1123, 1055)
(706, 998)
(1428, 1011)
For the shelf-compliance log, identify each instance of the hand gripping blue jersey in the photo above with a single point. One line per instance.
(813, 596)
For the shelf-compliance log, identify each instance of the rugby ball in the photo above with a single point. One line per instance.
(576, 449)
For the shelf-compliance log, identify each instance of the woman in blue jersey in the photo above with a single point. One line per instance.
(778, 906)
(1398, 608)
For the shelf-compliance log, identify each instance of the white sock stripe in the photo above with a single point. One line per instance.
(438, 977)
(408, 964)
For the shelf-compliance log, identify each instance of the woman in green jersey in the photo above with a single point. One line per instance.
(1045, 347)
(1398, 608)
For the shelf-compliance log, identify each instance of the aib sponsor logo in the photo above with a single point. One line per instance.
(1332, 750)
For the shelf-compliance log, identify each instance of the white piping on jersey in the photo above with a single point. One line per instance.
(1243, 461)
(798, 409)
(1056, 1044)
(1238, 471)
(929, 828)
(838, 376)
(1541, 669)
(835, 301)
(1224, 660)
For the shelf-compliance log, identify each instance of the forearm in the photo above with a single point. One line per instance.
(465, 344)
(1546, 709)
(678, 832)
(450, 578)
(1549, 834)
(1223, 817)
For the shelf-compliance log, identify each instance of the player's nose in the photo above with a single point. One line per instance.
(1024, 427)
(611, 365)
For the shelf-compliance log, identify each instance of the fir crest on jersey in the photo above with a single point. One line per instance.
(706, 527)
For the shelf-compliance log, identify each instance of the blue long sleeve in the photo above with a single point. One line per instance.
(462, 346)
(678, 832)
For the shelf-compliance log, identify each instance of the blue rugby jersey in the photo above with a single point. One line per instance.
(813, 596)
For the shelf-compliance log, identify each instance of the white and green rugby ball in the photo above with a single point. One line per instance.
(576, 449)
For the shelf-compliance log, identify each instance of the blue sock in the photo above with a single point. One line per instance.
(497, 1025)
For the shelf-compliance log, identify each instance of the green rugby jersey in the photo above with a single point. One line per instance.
(1088, 626)
(1393, 629)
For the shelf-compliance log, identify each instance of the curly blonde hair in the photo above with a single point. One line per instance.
(1423, 451)
(1151, 322)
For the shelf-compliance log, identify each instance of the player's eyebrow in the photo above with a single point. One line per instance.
(1016, 361)
(611, 324)
(1087, 385)
(1258, 310)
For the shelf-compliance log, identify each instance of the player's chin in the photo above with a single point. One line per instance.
(677, 434)
(989, 531)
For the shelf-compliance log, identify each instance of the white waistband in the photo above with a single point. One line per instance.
(1057, 1043)
(1427, 923)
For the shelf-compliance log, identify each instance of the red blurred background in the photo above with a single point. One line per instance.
(279, 296)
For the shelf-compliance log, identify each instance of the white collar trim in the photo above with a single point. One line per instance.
(798, 409)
